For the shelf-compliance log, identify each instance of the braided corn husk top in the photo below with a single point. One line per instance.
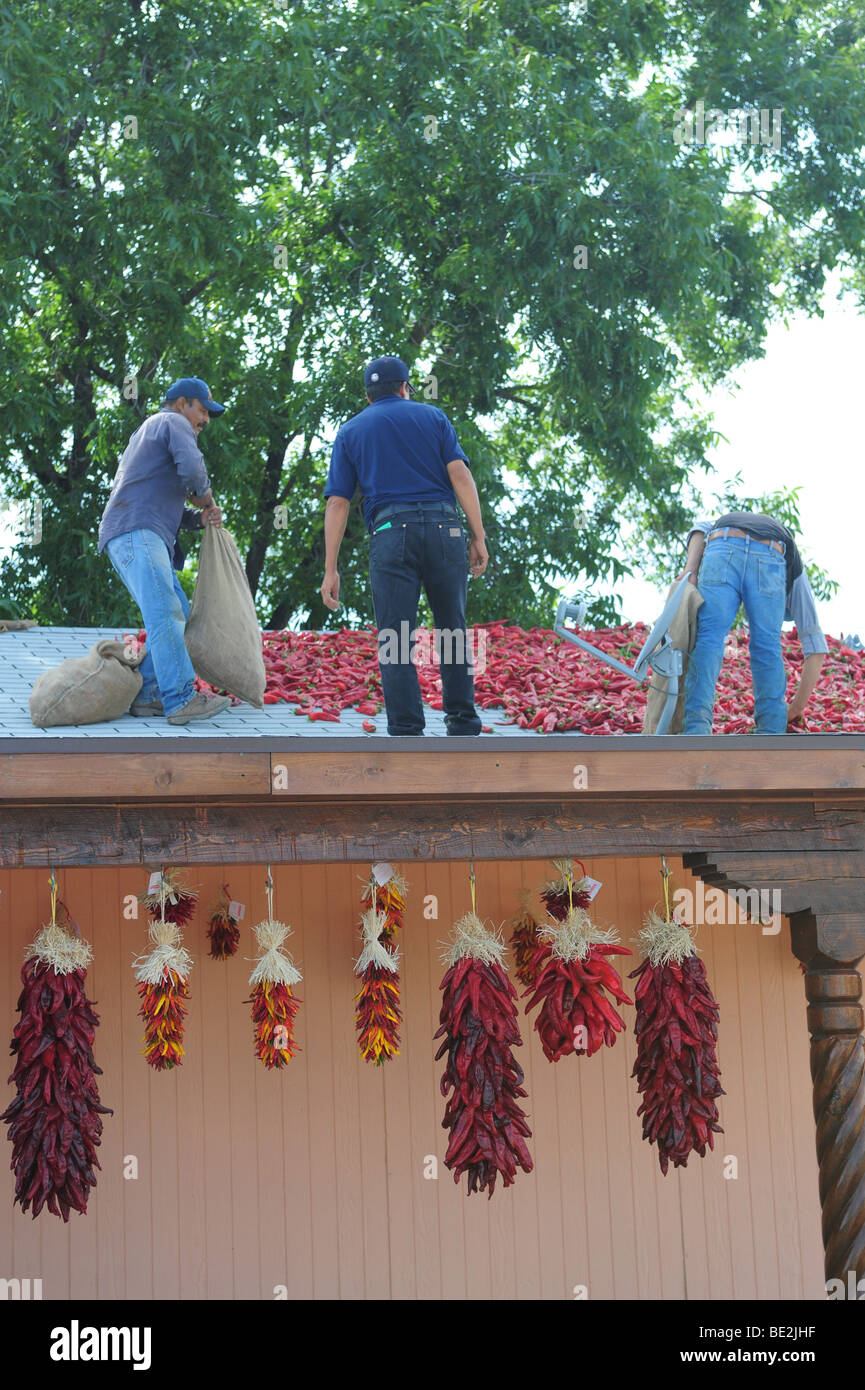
(665, 941)
(470, 937)
(56, 947)
(574, 938)
(169, 891)
(274, 965)
(168, 953)
(375, 952)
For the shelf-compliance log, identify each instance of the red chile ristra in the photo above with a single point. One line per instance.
(223, 933)
(274, 1005)
(55, 1118)
(524, 944)
(677, 1029)
(572, 980)
(478, 1019)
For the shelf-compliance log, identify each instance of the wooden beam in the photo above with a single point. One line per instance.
(298, 771)
(303, 832)
(530, 771)
(71, 776)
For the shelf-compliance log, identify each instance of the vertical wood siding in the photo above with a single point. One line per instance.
(313, 1179)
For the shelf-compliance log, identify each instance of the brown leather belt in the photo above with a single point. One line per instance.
(743, 535)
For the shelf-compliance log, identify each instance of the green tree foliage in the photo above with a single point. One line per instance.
(267, 193)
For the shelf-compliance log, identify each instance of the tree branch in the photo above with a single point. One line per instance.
(44, 470)
(195, 290)
(758, 193)
(512, 394)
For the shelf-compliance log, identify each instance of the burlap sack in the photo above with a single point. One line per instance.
(87, 689)
(223, 637)
(683, 635)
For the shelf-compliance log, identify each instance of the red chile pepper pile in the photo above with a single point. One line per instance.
(545, 683)
(223, 932)
(478, 1020)
(676, 1029)
(55, 1123)
(571, 977)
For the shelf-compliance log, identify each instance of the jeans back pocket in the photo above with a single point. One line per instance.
(771, 574)
(716, 561)
(387, 545)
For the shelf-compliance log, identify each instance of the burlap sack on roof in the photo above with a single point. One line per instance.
(683, 635)
(223, 637)
(87, 689)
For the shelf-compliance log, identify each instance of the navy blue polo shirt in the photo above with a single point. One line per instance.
(395, 450)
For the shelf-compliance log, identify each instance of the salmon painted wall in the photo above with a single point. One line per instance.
(313, 1178)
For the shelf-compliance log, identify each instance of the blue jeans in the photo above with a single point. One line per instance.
(142, 560)
(739, 570)
(424, 545)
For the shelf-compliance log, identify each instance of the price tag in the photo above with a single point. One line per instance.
(592, 886)
(155, 881)
(382, 873)
(237, 911)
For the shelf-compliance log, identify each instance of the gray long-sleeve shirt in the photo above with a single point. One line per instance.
(161, 463)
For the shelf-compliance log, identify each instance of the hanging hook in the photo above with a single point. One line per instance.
(665, 875)
(53, 882)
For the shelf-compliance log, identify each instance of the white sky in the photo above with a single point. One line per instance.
(797, 418)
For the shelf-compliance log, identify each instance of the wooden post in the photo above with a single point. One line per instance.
(822, 894)
(833, 988)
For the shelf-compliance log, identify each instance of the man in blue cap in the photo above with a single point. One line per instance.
(405, 459)
(161, 468)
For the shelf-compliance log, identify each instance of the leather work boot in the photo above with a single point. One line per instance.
(147, 709)
(201, 706)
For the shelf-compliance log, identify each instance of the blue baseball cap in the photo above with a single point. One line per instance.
(383, 369)
(192, 387)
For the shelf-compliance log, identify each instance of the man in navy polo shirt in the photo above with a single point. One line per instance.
(407, 462)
